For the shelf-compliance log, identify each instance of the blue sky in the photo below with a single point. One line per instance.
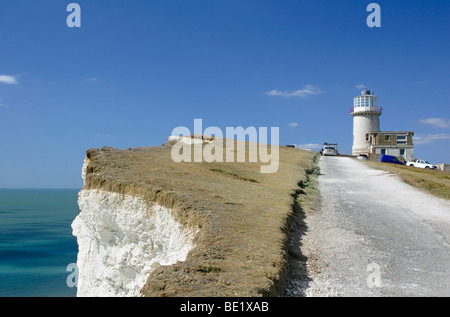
(135, 70)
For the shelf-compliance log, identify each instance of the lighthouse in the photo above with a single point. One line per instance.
(366, 119)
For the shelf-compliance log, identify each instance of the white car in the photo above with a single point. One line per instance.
(329, 150)
(362, 157)
(421, 164)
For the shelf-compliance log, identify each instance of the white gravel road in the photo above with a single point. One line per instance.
(374, 236)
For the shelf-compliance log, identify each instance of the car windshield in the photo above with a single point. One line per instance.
(427, 162)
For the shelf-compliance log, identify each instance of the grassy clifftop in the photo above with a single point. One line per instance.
(243, 216)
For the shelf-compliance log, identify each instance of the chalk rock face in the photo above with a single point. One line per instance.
(121, 238)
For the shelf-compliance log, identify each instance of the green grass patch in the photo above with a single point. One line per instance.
(243, 178)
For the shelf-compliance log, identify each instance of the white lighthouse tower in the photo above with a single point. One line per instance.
(366, 119)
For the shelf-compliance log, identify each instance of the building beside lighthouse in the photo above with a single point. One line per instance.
(367, 136)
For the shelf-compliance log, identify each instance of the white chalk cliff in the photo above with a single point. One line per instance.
(121, 239)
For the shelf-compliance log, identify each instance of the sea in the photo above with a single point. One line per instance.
(37, 248)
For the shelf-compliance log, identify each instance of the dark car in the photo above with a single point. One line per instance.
(390, 159)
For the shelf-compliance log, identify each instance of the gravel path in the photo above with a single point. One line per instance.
(375, 236)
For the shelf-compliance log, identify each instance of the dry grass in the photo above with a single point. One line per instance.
(434, 182)
(243, 216)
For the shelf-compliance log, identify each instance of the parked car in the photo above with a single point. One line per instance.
(362, 157)
(390, 159)
(330, 149)
(421, 164)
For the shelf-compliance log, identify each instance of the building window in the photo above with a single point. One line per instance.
(383, 151)
(401, 139)
(387, 137)
(402, 152)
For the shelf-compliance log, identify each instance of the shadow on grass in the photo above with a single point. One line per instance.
(297, 279)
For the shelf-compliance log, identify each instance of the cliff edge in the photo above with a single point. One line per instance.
(149, 226)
